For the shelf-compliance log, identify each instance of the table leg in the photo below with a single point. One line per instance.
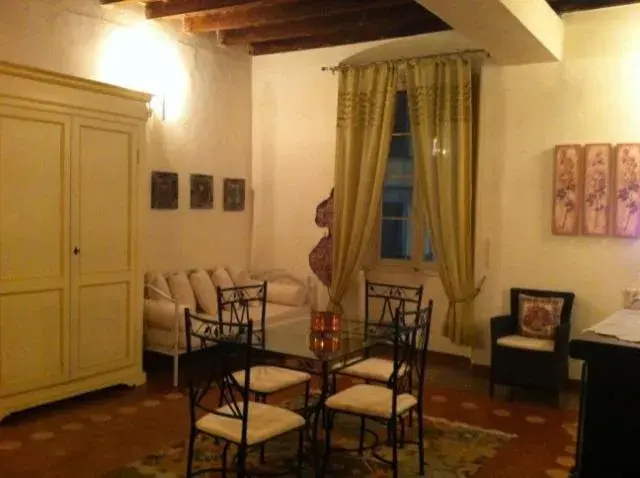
(317, 414)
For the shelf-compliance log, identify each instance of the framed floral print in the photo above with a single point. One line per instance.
(567, 187)
(596, 197)
(626, 205)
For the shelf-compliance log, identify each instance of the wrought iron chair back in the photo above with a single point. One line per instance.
(384, 303)
(410, 346)
(226, 345)
(239, 305)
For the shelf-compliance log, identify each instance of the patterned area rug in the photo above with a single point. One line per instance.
(452, 450)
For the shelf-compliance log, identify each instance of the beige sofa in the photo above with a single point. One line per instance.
(167, 294)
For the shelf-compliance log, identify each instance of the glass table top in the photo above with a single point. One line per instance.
(294, 338)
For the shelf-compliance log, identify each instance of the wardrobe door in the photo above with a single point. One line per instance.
(34, 249)
(104, 207)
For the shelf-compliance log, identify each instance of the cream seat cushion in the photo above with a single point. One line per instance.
(526, 343)
(370, 400)
(266, 379)
(377, 369)
(263, 423)
(286, 294)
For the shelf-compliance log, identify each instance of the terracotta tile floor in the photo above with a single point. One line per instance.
(88, 435)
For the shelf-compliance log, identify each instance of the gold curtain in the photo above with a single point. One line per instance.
(440, 104)
(366, 106)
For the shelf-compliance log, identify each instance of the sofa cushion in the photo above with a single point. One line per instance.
(233, 272)
(286, 294)
(205, 292)
(244, 279)
(538, 317)
(221, 278)
(181, 290)
(160, 286)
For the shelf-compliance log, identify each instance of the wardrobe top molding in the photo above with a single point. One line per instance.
(21, 82)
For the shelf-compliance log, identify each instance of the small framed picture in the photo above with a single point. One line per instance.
(567, 187)
(164, 190)
(596, 198)
(234, 193)
(626, 192)
(201, 191)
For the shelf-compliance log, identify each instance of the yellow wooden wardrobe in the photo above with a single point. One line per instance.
(71, 192)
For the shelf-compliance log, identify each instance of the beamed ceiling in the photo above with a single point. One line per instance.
(273, 26)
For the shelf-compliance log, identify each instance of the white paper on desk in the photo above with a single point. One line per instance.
(623, 324)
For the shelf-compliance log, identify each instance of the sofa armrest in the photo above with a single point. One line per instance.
(563, 332)
(159, 292)
(164, 314)
(502, 326)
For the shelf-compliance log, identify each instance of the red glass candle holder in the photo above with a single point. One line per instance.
(324, 343)
(323, 321)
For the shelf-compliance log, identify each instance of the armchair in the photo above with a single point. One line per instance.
(529, 361)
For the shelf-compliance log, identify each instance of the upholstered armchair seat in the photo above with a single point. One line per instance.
(531, 362)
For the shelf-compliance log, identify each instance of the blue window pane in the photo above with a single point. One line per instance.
(399, 171)
(397, 201)
(401, 147)
(401, 122)
(428, 254)
(396, 239)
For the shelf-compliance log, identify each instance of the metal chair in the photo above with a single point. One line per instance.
(238, 421)
(388, 404)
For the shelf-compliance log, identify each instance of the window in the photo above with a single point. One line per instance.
(404, 238)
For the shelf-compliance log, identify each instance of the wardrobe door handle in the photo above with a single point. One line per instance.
(76, 250)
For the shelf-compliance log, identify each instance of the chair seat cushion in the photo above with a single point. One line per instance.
(377, 369)
(370, 400)
(264, 422)
(526, 343)
(267, 379)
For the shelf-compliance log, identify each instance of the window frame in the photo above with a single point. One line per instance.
(417, 230)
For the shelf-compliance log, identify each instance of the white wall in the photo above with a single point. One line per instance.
(207, 128)
(592, 96)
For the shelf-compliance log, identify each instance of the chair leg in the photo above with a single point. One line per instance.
(241, 462)
(300, 451)
(327, 440)
(394, 446)
(307, 394)
(420, 421)
(190, 451)
(334, 383)
(263, 399)
(224, 460)
(491, 386)
(402, 430)
(176, 365)
(362, 430)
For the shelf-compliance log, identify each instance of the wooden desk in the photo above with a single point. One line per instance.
(609, 420)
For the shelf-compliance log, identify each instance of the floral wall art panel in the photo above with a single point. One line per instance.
(596, 198)
(567, 185)
(626, 220)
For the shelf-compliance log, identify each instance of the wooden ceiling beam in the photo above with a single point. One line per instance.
(565, 6)
(175, 8)
(257, 14)
(331, 25)
(111, 2)
(410, 27)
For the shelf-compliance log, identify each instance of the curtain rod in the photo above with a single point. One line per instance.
(335, 68)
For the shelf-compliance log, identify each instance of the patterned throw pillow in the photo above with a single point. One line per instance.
(538, 317)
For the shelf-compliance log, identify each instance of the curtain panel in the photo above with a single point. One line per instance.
(440, 93)
(366, 107)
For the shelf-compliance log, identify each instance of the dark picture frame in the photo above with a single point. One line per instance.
(234, 194)
(164, 190)
(201, 191)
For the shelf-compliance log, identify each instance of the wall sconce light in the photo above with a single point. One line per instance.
(157, 106)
